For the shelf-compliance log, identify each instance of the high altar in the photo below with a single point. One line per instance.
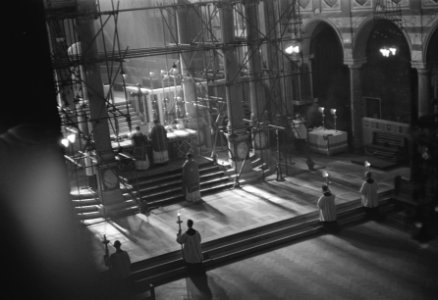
(327, 141)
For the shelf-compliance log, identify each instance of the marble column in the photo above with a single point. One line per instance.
(256, 87)
(356, 103)
(237, 134)
(424, 106)
(107, 166)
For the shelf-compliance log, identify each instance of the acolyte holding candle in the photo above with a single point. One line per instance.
(178, 221)
(325, 175)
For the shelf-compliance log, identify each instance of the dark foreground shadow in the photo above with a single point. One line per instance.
(197, 284)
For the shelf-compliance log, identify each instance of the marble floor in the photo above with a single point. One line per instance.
(234, 210)
(370, 261)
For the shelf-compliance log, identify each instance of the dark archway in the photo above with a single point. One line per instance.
(432, 63)
(388, 78)
(330, 75)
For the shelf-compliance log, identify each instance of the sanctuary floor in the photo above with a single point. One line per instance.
(235, 210)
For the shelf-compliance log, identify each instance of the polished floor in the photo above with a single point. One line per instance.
(235, 210)
(371, 261)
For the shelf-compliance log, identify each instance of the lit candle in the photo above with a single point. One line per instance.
(321, 109)
(179, 220)
(325, 175)
(333, 111)
(367, 164)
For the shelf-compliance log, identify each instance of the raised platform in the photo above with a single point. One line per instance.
(236, 210)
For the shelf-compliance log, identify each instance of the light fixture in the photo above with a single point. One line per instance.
(65, 142)
(71, 137)
(386, 51)
(292, 49)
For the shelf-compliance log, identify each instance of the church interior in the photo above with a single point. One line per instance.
(272, 98)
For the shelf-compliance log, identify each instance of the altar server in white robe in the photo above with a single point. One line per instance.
(327, 208)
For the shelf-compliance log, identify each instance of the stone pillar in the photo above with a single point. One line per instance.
(424, 106)
(356, 103)
(108, 180)
(194, 118)
(237, 134)
(256, 88)
(275, 59)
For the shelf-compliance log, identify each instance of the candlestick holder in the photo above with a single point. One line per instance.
(367, 166)
(321, 110)
(325, 175)
(179, 221)
(333, 112)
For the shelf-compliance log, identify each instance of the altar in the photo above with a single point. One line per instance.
(327, 141)
(180, 141)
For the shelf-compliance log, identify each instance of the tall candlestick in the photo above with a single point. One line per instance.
(321, 110)
(325, 175)
(333, 112)
(179, 220)
(367, 166)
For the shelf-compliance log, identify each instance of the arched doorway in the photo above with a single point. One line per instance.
(330, 75)
(432, 63)
(388, 82)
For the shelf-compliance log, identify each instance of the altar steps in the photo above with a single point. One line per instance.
(166, 188)
(170, 266)
(154, 189)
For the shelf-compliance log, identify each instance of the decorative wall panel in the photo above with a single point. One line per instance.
(306, 5)
(362, 4)
(331, 5)
(429, 3)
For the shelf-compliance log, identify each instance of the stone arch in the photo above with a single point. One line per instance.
(428, 39)
(430, 55)
(362, 34)
(390, 88)
(324, 50)
(311, 28)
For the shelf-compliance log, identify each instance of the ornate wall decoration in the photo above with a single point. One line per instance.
(362, 4)
(429, 3)
(331, 5)
(305, 5)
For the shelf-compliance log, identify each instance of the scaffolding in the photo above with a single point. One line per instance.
(148, 81)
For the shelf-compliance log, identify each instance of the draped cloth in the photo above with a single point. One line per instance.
(159, 144)
(139, 143)
(190, 178)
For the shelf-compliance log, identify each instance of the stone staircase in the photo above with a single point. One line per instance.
(155, 190)
(159, 187)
